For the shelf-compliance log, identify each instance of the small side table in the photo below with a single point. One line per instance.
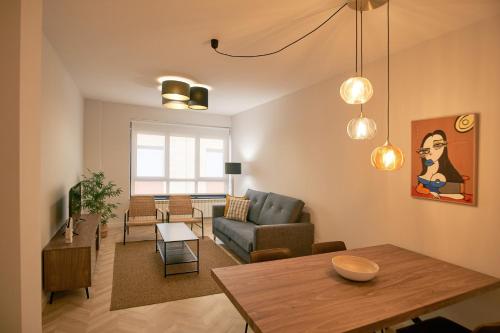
(173, 248)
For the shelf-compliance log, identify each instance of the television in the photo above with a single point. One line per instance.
(75, 201)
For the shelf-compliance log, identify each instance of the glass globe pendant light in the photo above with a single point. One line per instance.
(357, 89)
(361, 128)
(387, 157)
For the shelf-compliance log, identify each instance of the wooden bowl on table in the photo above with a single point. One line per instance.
(355, 268)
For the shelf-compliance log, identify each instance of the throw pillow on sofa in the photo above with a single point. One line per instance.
(237, 210)
(228, 198)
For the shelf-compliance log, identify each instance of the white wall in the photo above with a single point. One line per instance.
(20, 68)
(298, 146)
(61, 141)
(107, 136)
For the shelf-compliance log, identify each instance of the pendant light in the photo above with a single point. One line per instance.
(175, 90)
(198, 98)
(357, 89)
(387, 157)
(361, 128)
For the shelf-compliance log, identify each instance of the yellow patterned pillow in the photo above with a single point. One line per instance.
(228, 198)
(238, 209)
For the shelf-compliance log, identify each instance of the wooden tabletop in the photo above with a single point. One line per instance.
(305, 294)
(175, 232)
(86, 234)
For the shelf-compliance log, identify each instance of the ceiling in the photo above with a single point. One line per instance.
(115, 49)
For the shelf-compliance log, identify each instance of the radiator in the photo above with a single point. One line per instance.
(205, 205)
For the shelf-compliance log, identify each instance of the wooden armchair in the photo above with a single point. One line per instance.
(142, 212)
(180, 209)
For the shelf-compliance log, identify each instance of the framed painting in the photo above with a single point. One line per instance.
(443, 163)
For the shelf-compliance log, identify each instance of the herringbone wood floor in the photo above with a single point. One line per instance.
(72, 312)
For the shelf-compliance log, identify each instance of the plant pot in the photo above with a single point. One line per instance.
(104, 230)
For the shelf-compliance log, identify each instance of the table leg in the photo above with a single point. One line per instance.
(156, 238)
(165, 248)
(198, 256)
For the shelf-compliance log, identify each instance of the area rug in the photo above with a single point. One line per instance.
(138, 275)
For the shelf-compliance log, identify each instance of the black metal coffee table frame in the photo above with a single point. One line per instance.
(177, 251)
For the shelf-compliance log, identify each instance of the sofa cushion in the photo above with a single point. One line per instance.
(280, 209)
(257, 200)
(241, 233)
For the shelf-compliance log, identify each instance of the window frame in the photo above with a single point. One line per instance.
(168, 130)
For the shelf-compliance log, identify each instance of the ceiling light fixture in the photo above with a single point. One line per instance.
(387, 157)
(178, 94)
(175, 90)
(360, 128)
(198, 98)
(357, 89)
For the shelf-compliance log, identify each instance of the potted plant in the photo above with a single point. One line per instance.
(96, 192)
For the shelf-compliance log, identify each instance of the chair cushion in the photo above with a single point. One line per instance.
(435, 325)
(241, 233)
(184, 219)
(280, 209)
(257, 199)
(142, 220)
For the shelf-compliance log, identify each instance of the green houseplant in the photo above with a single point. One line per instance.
(96, 192)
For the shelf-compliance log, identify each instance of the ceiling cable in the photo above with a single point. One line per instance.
(214, 43)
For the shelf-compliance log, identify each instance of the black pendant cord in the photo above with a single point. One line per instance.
(361, 47)
(356, 38)
(215, 42)
(388, 73)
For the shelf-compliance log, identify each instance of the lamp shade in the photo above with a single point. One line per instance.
(387, 157)
(175, 90)
(356, 90)
(198, 98)
(176, 105)
(232, 168)
(361, 128)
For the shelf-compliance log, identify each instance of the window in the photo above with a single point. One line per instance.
(171, 159)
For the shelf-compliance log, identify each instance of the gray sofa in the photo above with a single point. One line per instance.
(273, 220)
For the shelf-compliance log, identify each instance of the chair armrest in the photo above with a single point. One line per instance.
(199, 210)
(218, 210)
(298, 237)
(162, 215)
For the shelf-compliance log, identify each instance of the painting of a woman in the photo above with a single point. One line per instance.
(443, 164)
(438, 177)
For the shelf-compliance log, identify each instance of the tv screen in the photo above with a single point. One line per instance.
(75, 200)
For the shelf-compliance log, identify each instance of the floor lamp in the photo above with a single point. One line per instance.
(232, 168)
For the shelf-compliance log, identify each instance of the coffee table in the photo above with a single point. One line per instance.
(173, 248)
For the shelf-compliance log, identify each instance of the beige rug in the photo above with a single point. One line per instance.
(138, 275)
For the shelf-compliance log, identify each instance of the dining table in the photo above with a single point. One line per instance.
(305, 294)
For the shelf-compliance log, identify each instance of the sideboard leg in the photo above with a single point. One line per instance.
(51, 297)
(87, 291)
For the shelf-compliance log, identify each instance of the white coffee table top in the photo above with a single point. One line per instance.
(175, 232)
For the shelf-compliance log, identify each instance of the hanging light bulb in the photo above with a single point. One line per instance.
(357, 89)
(387, 157)
(361, 128)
